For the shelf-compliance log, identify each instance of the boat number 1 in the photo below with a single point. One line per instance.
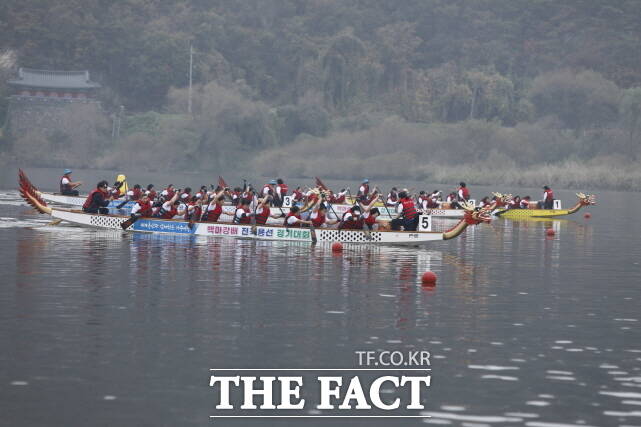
(425, 223)
(287, 201)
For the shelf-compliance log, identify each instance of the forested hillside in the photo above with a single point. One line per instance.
(414, 85)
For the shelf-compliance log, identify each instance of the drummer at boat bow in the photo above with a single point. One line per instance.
(68, 187)
(98, 200)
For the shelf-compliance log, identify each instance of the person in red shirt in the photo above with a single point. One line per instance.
(463, 193)
(98, 200)
(68, 187)
(407, 215)
(548, 198)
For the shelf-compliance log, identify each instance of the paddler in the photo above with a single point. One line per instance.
(168, 193)
(363, 191)
(151, 192)
(297, 194)
(338, 197)
(135, 193)
(392, 197)
(68, 187)
(169, 208)
(263, 213)
(525, 203)
(463, 193)
(407, 215)
(142, 208)
(318, 217)
(293, 218)
(281, 192)
(242, 215)
(98, 200)
(548, 198)
(351, 219)
(215, 207)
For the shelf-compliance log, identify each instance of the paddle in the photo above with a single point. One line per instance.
(120, 206)
(380, 197)
(126, 224)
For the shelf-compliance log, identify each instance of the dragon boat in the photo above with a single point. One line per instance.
(386, 212)
(584, 201)
(259, 232)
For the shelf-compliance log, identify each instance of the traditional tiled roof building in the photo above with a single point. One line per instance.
(54, 85)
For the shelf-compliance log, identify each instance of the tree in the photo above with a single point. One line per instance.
(630, 111)
(581, 101)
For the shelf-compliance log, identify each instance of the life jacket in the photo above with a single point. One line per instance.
(524, 204)
(145, 208)
(167, 214)
(351, 223)
(195, 213)
(65, 188)
(170, 193)
(549, 195)
(297, 195)
(370, 220)
(313, 198)
(245, 219)
(115, 193)
(337, 199)
(261, 218)
(265, 187)
(409, 210)
(392, 196)
(319, 220)
(89, 201)
(214, 214)
(283, 189)
(137, 192)
(152, 195)
(365, 191)
(291, 214)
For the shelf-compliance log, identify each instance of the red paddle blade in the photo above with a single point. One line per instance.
(320, 184)
(222, 182)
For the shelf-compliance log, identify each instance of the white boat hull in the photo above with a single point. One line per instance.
(155, 225)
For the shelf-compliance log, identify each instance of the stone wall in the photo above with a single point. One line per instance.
(45, 115)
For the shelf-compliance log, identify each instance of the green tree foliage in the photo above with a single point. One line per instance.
(631, 116)
(580, 100)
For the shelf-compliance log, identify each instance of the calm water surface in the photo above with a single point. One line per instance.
(105, 328)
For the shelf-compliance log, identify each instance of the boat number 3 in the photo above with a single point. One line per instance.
(425, 223)
(287, 201)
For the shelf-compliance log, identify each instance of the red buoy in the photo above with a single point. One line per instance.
(429, 278)
(337, 247)
(550, 232)
(587, 215)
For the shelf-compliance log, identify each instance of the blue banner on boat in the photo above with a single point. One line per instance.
(163, 226)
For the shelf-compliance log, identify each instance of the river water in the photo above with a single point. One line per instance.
(113, 329)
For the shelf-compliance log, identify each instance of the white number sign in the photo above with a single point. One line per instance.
(287, 201)
(425, 223)
(557, 204)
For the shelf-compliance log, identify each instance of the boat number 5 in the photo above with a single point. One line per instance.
(287, 201)
(425, 223)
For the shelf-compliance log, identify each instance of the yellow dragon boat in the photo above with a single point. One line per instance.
(584, 200)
